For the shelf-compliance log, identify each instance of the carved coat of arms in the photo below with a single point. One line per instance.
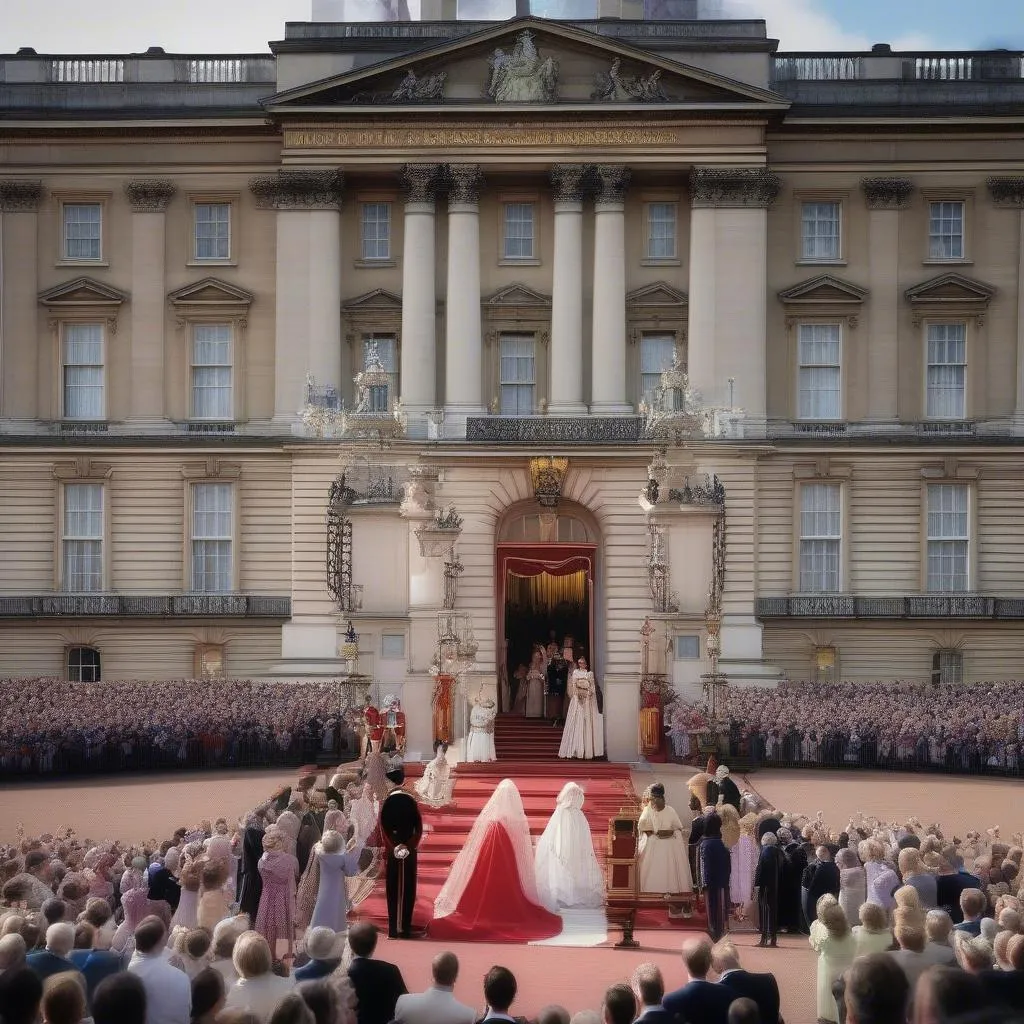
(523, 76)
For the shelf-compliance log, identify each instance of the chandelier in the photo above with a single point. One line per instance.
(674, 410)
(373, 417)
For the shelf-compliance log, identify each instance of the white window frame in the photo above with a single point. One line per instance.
(813, 365)
(947, 666)
(392, 655)
(940, 504)
(673, 235)
(83, 647)
(677, 648)
(820, 538)
(647, 338)
(65, 327)
(65, 206)
(937, 393)
(195, 327)
(72, 536)
(506, 208)
(196, 537)
(939, 212)
(211, 201)
(519, 385)
(809, 242)
(387, 240)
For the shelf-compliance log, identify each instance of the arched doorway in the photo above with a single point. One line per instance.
(546, 582)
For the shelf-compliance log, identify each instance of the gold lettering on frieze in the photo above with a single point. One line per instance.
(446, 138)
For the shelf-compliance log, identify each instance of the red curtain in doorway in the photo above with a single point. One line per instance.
(534, 559)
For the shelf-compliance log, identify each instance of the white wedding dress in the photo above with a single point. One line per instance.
(480, 743)
(583, 736)
(568, 874)
(435, 785)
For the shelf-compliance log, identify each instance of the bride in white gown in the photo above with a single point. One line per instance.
(583, 736)
(568, 874)
(480, 742)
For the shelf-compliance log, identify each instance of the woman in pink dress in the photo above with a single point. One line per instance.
(279, 871)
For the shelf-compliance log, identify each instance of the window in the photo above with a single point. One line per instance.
(948, 537)
(820, 538)
(946, 231)
(518, 231)
(656, 354)
(82, 539)
(212, 231)
(211, 371)
(518, 374)
(947, 667)
(83, 231)
(83, 665)
(376, 231)
(386, 346)
(687, 647)
(820, 395)
(946, 375)
(211, 538)
(392, 645)
(819, 231)
(826, 663)
(661, 231)
(82, 359)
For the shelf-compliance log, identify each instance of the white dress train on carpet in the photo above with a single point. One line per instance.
(568, 874)
(583, 736)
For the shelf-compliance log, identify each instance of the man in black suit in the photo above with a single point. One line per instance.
(558, 681)
(699, 999)
(402, 827)
(649, 988)
(763, 989)
(820, 876)
(377, 983)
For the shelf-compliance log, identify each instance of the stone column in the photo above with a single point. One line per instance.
(308, 282)
(419, 298)
(566, 389)
(608, 366)
(885, 197)
(1008, 193)
(729, 284)
(463, 361)
(19, 303)
(149, 199)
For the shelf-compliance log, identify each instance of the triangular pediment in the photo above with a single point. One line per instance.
(952, 289)
(210, 292)
(83, 291)
(656, 296)
(519, 297)
(527, 62)
(376, 301)
(824, 290)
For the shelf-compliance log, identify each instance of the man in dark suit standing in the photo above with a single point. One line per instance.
(558, 680)
(699, 999)
(649, 989)
(820, 876)
(377, 984)
(763, 989)
(402, 828)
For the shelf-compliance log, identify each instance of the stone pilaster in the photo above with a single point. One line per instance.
(1008, 194)
(887, 193)
(733, 187)
(150, 195)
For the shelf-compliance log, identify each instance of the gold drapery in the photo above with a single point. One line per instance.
(544, 591)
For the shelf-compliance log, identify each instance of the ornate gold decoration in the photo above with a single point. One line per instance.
(548, 475)
(442, 137)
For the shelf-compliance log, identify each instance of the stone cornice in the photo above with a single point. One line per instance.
(465, 182)
(569, 182)
(612, 182)
(149, 195)
(298, 190)
(18, 195)
(733, 187)
(421, 182)
(1007, 192)
(887, 193)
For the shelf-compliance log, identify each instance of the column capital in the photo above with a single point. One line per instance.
(612, 182)
(733, 187)
(1007, 192)
(18, 195)
(569, 182)
(149, 195)
(421, 182)
(298, 190)
(887, 193)
(465, 182)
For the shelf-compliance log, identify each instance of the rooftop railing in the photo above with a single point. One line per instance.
(154, 67)
(883, 64)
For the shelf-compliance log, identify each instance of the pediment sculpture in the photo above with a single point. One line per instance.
(416, 89)
(522, 76)
(613, 86)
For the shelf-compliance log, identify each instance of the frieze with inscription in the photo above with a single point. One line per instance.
(443, 138)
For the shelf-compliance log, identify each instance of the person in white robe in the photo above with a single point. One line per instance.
(583, 735)
(480, 742)
(568, 874)
(434, 787)
(662, 854)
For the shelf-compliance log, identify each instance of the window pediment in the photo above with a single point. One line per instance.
(210, 296)
(652, 297)
(81, 293)
(376, 301)
(825, 296)
(376, 311)
(950, 295)
(516, 298)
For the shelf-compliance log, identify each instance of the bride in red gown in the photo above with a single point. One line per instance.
(491, 892)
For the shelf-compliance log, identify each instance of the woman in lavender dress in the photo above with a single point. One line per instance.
(279, 870)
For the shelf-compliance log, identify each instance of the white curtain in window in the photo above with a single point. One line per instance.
(820, 538)
(820, 230)
(948, 537)
(518, 374)
(213, 231)
(82, 231)
(211, 371)
(947, 371)
(83, 371)
(656, 352)
(82, 542)
(946, 231)
(819, 381)
(211, 538)
(661, 231)
(376, 231)
(518, 231)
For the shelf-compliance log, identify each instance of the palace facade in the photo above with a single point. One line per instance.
(511, 229)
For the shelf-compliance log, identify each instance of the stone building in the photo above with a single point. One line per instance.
(509, 228)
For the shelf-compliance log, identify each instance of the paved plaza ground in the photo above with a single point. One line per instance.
(151, 806)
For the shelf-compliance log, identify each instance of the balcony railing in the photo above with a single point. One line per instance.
(906, 606)
(135, 606)
(883, 64)
(555, 429)
(143, 68)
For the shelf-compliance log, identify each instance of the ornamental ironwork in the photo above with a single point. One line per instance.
(373, 417)
(555, 429)
(339, 544)
(701, 489)
(658, 573)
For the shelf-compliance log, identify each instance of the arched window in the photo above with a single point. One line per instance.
(83, 665)
(535, 528)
